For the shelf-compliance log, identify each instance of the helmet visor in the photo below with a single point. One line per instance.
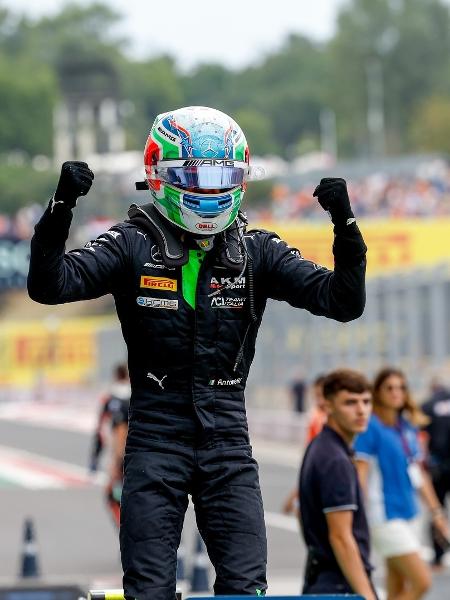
(203, 177)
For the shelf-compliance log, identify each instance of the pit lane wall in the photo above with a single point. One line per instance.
(56, 352)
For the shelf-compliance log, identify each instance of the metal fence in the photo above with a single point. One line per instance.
(406, 323)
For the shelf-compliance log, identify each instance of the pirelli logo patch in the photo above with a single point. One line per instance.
(159, 283)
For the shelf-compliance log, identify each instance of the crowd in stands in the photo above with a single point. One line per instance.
(375, 196)
(378, 195)
(20, 225)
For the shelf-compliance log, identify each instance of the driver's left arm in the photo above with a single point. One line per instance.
(338, 294)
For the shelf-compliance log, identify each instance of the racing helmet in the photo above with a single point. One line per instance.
(197, 164)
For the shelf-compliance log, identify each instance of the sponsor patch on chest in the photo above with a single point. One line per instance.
(165, 303)
(234, 283)
(221, 302)
(225, 382)
(158, 283)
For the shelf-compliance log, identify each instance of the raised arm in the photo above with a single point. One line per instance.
(338, 294)
(55, 276)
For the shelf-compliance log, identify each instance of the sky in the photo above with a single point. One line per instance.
(234, 33)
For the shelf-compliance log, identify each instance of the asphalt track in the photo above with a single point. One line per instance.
(43, 476)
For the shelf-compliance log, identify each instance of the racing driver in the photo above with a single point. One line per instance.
(190, 285)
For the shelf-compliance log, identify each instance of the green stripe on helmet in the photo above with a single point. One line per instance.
(169, 150)
(237, 199)
(239, 152)
(171, 202)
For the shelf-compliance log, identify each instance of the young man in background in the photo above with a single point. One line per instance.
(332, 514)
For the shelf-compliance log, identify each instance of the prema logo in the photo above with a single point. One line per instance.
(165, 303)
(206, 226)
(159, 283)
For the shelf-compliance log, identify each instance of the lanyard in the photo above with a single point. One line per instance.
(406, 448)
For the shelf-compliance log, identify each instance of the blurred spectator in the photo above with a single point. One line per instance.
(318, 416)
(20, 225)
(298, 392)
(114, 412)
(316, 421)
(437, 408)
(389, 462)
(333, 518)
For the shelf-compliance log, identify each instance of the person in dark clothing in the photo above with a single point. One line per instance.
(114, 411)
(190, 286)
(298, 389)
(437, 409)
(332, 514)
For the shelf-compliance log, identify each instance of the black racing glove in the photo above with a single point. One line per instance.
(333, 197)
(75, 180)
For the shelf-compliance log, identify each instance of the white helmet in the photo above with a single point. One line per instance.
(197, 164)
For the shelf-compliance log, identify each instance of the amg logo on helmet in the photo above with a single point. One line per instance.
(172, 138)
(206, 226)
(208, 162)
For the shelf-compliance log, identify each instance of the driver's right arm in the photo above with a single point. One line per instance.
(56, 276)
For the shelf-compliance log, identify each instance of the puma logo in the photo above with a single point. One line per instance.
(158, 381)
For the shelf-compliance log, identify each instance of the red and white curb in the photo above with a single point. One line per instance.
(36, 472)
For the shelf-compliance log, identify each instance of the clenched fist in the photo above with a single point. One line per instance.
(75, 180)
(333, 197)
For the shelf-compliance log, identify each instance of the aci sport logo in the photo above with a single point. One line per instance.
(159, 283)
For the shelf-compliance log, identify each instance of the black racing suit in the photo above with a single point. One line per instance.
(187, 423)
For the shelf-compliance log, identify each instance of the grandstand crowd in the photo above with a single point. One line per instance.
(423, 194)
(378, 195)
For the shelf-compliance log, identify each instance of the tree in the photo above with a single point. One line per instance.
(153, 87)
(30, 55)
(26, 102)
(289, 89)
(81, 29)
(430, 129)
(409, 40)
(258, 131)
(21, 186)
(209, 85)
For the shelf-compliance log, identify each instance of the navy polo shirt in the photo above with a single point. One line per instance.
(329, 483)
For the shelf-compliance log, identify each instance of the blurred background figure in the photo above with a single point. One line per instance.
(437, 409)
(390, 466)
(111, 430)
(318, 415)
(333, 519)
(316, 420)
(298, 393)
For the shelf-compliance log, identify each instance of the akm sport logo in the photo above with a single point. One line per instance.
(159, 283)
(233, 282)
